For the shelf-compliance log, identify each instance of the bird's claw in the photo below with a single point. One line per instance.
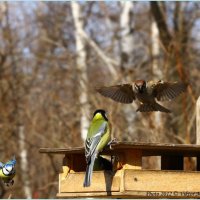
(113, 141)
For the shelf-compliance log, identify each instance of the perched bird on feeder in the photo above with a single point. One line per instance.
(145, 92)
(7, 171)
(98, 137)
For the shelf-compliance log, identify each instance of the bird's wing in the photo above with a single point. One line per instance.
(167, 91)
(12, 162)
(91, 143)
(120, 93)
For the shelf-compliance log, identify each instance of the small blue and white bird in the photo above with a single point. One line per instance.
(7, 171)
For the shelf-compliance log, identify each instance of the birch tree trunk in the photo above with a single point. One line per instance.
(24, 162)
(157, 73)
(155, 50)
(81, 68)
(198, 129)
(127, 38)
(18, 112)
(198, 121)
(127, 47)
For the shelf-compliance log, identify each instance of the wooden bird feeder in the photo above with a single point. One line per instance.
(128, 178)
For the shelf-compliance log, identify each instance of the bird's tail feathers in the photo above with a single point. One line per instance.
(152, 107)
(89, 170)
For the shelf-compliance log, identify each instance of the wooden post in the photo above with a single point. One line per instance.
(198, 129)
(198, 121)
(133, 159)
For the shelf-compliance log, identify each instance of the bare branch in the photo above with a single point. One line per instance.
(165, 36)
(108, 61)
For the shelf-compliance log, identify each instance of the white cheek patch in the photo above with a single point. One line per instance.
(5, 172)
(8, 169)
(106, 116)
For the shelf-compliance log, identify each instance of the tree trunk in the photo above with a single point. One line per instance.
(17, 114)
(24, 162)
(158, 15)
(198, 121)
(157, 73)
(127, 48)
(127, 38)
(81, 68)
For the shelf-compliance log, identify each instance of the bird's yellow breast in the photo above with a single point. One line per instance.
(4, 177)
(1, 174)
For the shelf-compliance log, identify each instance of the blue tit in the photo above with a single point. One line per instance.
(7, 171)
(99, 135)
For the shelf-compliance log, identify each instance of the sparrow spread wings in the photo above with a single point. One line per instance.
(167, 91)
(120, 93)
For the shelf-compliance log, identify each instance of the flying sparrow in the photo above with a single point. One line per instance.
(145, 92)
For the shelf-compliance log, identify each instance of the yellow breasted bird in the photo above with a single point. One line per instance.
(99, 135)
(146, 92)
(7, 171)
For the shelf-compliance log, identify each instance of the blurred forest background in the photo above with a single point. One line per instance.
(53, 54)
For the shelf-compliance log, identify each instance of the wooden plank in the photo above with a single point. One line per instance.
(172, 162)
(133, 194)
(136, 184)
(69, 150)
(165, 181)
(116, 195)
(102, 181)
(82, 195)
(148, 149)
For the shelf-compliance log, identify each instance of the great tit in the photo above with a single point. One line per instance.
(99, 135)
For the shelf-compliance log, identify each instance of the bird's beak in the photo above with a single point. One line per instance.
(140, 88)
